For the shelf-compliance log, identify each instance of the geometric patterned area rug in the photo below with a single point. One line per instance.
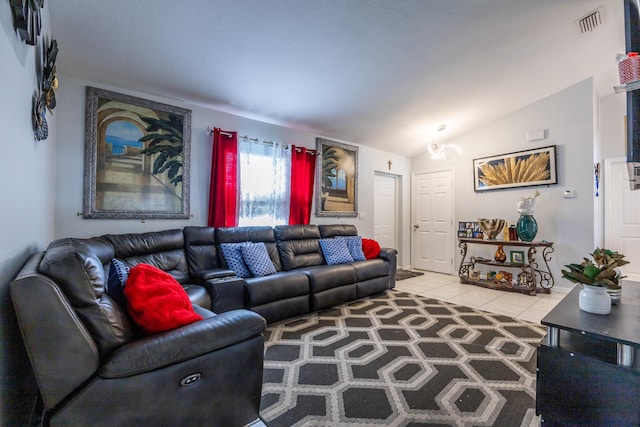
(399, 359)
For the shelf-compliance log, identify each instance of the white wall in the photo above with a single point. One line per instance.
(70, 161)
(27, 194)
(568, 120)
(612, 112)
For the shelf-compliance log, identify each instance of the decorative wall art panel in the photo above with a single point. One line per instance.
(136, 158)
(518, 169)
(337, 179)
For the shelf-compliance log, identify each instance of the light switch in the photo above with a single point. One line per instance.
(536, 135)
(568, 194)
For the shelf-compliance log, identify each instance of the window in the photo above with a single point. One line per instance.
(259, 183)
(264, 176)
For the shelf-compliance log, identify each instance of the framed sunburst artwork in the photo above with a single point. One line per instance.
(518, 169)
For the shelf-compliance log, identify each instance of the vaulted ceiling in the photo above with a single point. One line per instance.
(382, 73)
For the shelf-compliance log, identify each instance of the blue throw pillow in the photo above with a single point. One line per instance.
(233, 256)
(117, 280)
(257, 258)
(335, 251)
(354, 243)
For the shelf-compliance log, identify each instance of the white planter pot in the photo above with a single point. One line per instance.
(594, 299)
(615, 295)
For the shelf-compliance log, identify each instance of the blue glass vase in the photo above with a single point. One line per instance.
(527, 228)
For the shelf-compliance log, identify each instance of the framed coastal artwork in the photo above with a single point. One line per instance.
(336, 179)
(516, 257)
(136, 159)
(518, 169)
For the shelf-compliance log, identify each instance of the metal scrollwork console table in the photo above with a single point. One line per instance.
(533, 274)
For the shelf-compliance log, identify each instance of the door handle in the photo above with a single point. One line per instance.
(416, 226)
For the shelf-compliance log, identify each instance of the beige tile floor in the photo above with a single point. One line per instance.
(447, 287)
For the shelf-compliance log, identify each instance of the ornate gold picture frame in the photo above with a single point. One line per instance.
(136, 162)
(336, 179)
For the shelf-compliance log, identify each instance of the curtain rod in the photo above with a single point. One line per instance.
(247, 138)
(210, 131)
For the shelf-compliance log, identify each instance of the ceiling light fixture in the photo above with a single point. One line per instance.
(444, 151)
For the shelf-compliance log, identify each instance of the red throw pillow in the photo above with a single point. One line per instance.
(156, 301)
(371, 248)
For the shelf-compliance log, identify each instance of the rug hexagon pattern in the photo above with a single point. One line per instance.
(399, 359)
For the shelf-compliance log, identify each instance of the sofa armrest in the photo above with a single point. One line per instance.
(213, 273)
(227, 293)
(62, 353)
(187, 342)
(390, 255)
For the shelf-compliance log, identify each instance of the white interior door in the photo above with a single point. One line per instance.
(622, 216)
(385, 210)
(432, 205)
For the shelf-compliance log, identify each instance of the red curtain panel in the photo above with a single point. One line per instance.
(223, 189)
(303, 168)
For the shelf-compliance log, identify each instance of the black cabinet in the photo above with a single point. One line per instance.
(588, 372)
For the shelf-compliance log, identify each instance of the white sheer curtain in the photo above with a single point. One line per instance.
(265, 170)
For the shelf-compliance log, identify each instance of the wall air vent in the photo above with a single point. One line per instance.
(591, 21)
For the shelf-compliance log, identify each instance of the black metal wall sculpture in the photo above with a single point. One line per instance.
(26, 19)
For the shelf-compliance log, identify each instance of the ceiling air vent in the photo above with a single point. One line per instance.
(591, 21)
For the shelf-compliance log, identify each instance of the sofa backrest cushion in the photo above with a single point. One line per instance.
(78, 268)
(161, 249)
(333, 230)
(264, 234)
(200, 247)
(298, 246)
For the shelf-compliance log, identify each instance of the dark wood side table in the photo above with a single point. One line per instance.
(589, 364)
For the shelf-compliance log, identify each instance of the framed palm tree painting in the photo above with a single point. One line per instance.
(518, 169)
(337, 179)
(136, 161)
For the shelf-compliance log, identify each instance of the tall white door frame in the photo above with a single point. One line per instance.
(622, 215)
(432, 214)
(387, 218)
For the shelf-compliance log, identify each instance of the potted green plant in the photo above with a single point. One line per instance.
(599, 274)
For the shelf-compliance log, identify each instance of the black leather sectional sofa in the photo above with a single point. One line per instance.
(303, 281)
(93, 365)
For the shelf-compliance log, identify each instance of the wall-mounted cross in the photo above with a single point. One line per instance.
(389, 163)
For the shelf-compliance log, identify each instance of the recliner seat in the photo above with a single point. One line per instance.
(94, 366)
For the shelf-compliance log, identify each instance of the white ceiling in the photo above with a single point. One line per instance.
(382, 73)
